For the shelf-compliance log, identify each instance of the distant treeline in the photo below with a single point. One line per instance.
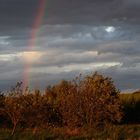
(91, 101)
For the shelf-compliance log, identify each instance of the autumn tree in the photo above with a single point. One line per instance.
(92, 100)
(3, 117)
(39, 112)
(100, 99)
(68, 105)
(13, 106)
(33, 115)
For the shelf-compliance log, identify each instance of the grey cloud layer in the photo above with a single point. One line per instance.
(73, 33)
(22, 12)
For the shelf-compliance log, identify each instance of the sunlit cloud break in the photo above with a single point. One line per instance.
(74, 67)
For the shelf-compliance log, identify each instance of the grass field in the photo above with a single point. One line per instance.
(131, 106)
(121, 132)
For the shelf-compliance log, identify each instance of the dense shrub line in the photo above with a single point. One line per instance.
(91, 101)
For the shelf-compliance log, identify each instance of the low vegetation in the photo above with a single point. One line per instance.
(131, 108)
(87, 107)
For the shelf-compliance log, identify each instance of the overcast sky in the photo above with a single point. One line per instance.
(76, 36)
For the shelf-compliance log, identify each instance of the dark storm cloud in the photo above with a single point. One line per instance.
(20, 13)
(93, 11)
(15, 14)
(73, 32)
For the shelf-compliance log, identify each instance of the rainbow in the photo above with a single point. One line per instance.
(32, 41)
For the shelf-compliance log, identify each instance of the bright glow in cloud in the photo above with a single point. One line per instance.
(29, 56)
(110, 29)
(6, 57)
